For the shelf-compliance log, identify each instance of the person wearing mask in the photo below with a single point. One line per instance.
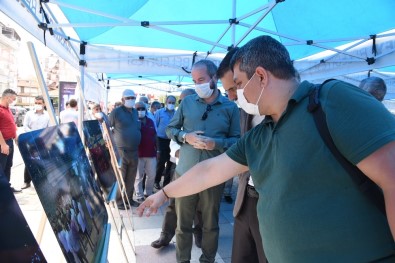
(309, 207)
(206, 125)
(163, 117)
(169, 224)
(247, 242)
(98, 114)
(155, 106)
(7, 133)
(147, 154)
(149, 114)
(35, 119)
(127, 135)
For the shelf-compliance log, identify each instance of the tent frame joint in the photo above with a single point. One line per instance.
(145, 23)
(233, 21)
(371, 60)
(82, 63)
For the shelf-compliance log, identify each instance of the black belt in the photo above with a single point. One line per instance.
(251, 192)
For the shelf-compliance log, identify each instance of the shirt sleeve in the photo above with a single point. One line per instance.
(359, 124)
(237, 151)
(234, 131)
(26, 122)
(173, 130)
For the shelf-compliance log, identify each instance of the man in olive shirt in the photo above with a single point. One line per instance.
(127, 136)
(206, 128)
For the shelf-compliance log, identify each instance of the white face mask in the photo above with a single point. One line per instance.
(250, 108)
(38, 107)
(98, 115)
(204, 90)
(129, 103)
(170, 106)
(12, 102)
(141, 114)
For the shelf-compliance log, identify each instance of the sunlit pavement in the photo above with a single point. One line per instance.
(145, 231)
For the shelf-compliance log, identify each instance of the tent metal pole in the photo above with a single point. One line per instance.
(268, 10)
(266, 6)
(52, 119)
(138, 23)
(188, 36)
(233, 36)
(42, 84)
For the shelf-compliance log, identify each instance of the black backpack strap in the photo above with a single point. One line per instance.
(367, 186)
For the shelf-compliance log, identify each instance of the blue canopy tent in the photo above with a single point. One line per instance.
(143, 43)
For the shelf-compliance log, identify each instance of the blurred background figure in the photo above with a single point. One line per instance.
(149, 114)
(7, 133)
(147, 154)
(375, 86)
(35, 119)
(127, 136)
(155, 105)
(70, 114)
(163, 117)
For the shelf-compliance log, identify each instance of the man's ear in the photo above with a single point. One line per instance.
(263, 75)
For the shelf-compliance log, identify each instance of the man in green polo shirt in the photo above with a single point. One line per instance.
(309, 208)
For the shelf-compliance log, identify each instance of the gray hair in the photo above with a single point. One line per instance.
(266, 52)
(375, 86)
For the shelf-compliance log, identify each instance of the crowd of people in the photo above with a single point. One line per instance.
(295, 202)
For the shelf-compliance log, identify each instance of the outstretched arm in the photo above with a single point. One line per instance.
(204, 175)
(380, 168)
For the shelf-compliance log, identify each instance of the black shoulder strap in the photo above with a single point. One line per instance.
(367, 186)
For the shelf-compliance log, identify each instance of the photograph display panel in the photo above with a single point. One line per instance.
(64, 181)
(17, 243)
(99, 153)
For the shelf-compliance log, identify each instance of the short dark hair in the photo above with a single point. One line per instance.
(224, 66)
(73, 103)
(266, 52)
(375, 86)
(171, 96)
(155, 104)
(143, 99)
(39, 98)
(8, 92)
(210, 66)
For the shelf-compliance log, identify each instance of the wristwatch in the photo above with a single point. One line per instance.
(184, 138)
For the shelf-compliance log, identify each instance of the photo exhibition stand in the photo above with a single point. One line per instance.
(120, 186)
(106, 162)
(101, 250)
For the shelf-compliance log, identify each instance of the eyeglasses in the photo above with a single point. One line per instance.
(140, 109)
(205, 114)
(130, 98)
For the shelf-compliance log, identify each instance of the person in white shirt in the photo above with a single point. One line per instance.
(35, 119)
(70, 114)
